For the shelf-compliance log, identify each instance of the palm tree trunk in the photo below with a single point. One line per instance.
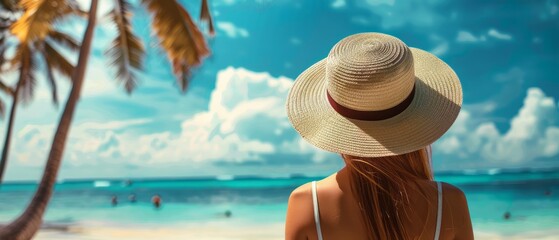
(9, 129)
(29, 222)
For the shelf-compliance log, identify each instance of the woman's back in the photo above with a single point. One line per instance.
(340, 216)
(380, 104)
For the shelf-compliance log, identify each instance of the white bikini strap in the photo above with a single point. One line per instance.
(439, 210)
(316, 213)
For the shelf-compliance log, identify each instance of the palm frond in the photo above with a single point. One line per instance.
(10, 5)
(50, 80)
(178, 35)
(205, 16)
(6, 20)
(57, 61)
(81, 13)
(3, 49)
(126, 51)
(4, 24)
(64, 40)
(8, 91)
(38, 17)
(74, 9)
(2, 109)
(26, 65)
(28, 88)
(183, 74)
(5, 88)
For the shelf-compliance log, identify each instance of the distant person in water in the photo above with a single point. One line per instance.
(227, 214)
(132, 198)
(506, 216)
(156, 200)
(127, 182)
(114, 200)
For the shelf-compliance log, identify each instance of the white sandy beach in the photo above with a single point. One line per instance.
(206, 231)
(219, 231)
(535, 235)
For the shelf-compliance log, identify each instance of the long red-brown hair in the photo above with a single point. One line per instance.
(379, 186)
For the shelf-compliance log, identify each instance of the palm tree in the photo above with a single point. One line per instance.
(179, 37)
(24, 60)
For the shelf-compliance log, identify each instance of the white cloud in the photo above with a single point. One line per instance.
(400, 13)
(295, 41)
(103, 6)
(442, 45)
(245, 118)
(112, 125)
(467, 37)
(89, 143)
(361, 20)
(464, 36)
(381, 2)
(499, 35)
(338, 3)
(229, 2)
(245, 122)
(533, 134)
(231, 30)
(440, 49)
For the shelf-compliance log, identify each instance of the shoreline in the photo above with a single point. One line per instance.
(213, 230)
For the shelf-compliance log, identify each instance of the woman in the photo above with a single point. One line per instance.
(380, 105)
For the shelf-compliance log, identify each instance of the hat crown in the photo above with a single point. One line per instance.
(370, 72)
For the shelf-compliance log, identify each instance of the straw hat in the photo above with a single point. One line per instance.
(373, 96)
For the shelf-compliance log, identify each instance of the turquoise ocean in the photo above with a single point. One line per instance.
(531, 197)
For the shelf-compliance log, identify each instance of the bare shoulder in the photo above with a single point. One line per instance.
(453, 193)
(299, 220)
(302, 192)
(457, 203)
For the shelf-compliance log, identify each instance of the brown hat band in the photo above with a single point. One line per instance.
(371, 115)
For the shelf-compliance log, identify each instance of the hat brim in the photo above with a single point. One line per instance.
(435, 106)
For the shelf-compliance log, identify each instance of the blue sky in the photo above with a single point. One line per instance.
(233, 121)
